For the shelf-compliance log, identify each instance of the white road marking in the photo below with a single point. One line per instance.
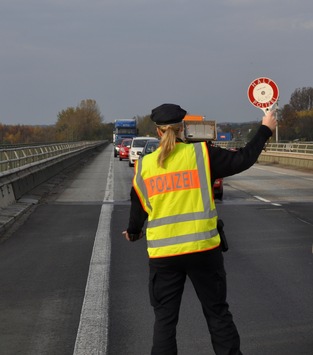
(262, 199)
(92, 334)
(267, 201)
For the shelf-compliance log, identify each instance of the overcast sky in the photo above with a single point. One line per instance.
(133, 55)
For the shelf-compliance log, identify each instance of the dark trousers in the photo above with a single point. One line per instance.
(166, 285)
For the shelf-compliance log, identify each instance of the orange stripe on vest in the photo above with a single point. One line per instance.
(176, 181)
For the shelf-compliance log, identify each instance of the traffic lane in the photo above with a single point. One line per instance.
(269, 272)
(123, 180)
(86, 181)
(302, 211)
(43, 272)
(247, 223)
(275, 184)
(130, 314)
(269, 266)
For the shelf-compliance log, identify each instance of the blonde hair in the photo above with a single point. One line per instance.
(168, 141)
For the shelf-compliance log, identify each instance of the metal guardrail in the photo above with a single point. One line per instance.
(301, 148)
(12, 158)
(293, 147)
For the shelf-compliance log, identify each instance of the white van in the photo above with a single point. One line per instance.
(136, 148)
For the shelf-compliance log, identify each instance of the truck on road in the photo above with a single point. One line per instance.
(123, 128)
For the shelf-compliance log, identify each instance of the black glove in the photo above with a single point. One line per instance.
(135, 236)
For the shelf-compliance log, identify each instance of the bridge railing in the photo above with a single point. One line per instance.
(17, 157)
(302, 148)
(293, 147)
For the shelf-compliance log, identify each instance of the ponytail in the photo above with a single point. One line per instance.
(168, 141)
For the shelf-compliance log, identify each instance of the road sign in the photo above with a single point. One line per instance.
(263, 93)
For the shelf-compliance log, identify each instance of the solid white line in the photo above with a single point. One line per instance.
(92, 334)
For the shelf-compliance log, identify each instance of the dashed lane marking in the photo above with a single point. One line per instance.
(267, 201)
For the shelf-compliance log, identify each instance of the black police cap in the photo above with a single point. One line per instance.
(167, 114)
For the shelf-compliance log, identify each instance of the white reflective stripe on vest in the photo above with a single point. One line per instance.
(141, 184)
(203, 179)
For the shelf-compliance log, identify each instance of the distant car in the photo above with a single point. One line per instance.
(136, 148)
(124, 148)
(117, 145)
(218, 189)
(150, 146)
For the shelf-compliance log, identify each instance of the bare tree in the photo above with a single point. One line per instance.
(296, 117)
(302, 99)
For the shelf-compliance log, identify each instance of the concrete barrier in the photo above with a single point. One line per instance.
(295, 160)
(6, 195)
(18, 182)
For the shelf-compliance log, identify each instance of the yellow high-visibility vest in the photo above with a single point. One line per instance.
(178, 198)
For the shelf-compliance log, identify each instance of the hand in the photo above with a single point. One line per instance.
(132, 237)
(269, 120)
(126, 235)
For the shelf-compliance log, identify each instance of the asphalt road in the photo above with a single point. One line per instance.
(269, 267)
(45, 305)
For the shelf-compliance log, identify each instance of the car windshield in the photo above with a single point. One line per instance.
(139, 143)
(126, 143)
(152, 146)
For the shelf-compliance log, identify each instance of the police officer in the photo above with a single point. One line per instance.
(172, 189)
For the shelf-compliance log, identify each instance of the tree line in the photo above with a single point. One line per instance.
(85, 122)
(296, 118)
(80, 123)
